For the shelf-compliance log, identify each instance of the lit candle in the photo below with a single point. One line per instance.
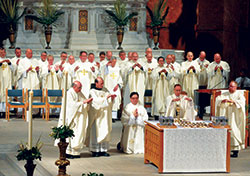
(65, 97)
(30, 120)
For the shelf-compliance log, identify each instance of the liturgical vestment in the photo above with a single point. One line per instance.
(235, 113)
(133, 129)
(76, 119)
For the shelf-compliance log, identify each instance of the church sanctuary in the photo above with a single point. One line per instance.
(124, 87)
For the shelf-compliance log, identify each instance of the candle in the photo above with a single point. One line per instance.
(30, 120)
(65, 97)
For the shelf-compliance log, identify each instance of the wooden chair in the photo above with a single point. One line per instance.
(15, 104)
(215, 94)
(51, 105)
(38, 93)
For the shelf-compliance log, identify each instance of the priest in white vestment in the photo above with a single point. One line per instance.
(133, 117)
(218, 73)
(28, 72)
(76, 118)
(84, 74)
(123, 64)
(15, 62)
(113, 82)
(102, 59)
(174, 71)
(190, 71)
(61, 65)
(231, 104)
(203, 63)
(43, 67)
(6, 70)
(100, 119)
(180, 106)
(50, 78)
(94, 66)
(137, 77)
(161, 78)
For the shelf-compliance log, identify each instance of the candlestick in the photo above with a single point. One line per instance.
(30, 120)
(65, 96)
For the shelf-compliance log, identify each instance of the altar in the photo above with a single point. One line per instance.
(175, 150)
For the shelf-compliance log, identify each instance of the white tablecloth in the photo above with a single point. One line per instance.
(194, 150)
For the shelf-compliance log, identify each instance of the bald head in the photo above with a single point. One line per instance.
(190, 56)
(77, 86)
(232, 86)
(28, 53)
(71, 59)
(173, 58)
(148, 50)
(109, 55)
(169, 59)
(217, 58)
(149, 57)
(202, 55)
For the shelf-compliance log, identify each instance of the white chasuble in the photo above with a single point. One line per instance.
(235, 113)
(137, 80)
(85, 76)
(28, 80)
(112, 77)
(174, 72)
(202, 76)
(183, 107)
(133, 135)
(150, 68)
(190, 78)
(100, 117)
(51, 78)
(160, 91)
(218, 79)
(76, 119)
(5, 78)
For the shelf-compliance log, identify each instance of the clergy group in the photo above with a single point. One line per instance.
(99, 88)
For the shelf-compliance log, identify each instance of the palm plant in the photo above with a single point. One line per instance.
(11, 17)
(157, 15)
(121, 19)
(47, 15)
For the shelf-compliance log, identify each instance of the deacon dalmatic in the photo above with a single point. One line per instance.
(174, 71)
(133, 129)
(6, 70)
(113, 82)
(182, 109)
(160, 90)
(137, 78)
(202, 76)
(28, 79)
(190, 77)
(100, 121)
(235, 113)
(218, 78)
(86, 76)
(76, 119)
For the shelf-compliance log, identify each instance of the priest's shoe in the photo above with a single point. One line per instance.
(104, 154)
(235, 154)
(95, 154)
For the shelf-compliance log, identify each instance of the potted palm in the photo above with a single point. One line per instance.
(120, 17)
(47, 15)
(10, 10)
(62, 133)
(24, 153)
(157, 15)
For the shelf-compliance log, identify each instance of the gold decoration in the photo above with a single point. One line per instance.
(83, 20)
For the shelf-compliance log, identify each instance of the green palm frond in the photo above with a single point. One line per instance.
(158, 13)
(10, 10)
(119, 15)
(47, 14)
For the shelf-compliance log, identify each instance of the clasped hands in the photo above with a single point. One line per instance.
(135, 113)
(220, 67)
(6, 60)
(178, 99)
(30, 68)
(228, 101)
(137, 65)
(192, 67)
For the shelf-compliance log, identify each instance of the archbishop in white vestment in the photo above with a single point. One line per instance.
(100, 119)
(76, 118)
(133, 117)
(231, 104)
(180, 106)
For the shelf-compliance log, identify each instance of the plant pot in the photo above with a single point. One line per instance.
(12, 37)
(30, 167)
(48, 34)
(120, 33)
(156, 33)
(62, 163)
